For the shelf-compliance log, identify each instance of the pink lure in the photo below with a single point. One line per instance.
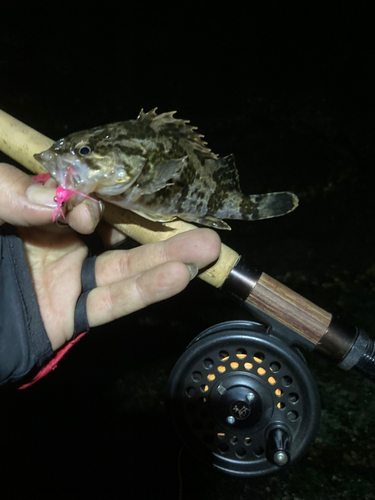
(62, 195)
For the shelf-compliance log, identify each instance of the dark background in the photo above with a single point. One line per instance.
(288, 87)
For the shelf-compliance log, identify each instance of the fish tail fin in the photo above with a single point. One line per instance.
(258, 206)
(240, 207)
(232, 204)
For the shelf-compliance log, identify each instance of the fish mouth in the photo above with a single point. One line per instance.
(63, 170)
(68, 175)
(44, 157)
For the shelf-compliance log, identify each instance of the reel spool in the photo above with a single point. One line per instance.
(243, 401)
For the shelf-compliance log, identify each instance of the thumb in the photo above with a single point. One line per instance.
(23, 202)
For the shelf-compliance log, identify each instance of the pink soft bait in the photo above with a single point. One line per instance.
(62, 196)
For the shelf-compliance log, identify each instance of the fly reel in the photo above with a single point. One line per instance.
(244, 401)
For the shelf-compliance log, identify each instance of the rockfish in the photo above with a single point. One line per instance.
(158, 167)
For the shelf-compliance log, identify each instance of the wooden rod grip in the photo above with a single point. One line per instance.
(20, 142)
(290, 308)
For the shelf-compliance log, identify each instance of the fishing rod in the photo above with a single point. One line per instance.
(241, 395)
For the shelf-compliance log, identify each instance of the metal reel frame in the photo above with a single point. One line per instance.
(243, 401)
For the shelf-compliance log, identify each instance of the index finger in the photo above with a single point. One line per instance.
(22, 201)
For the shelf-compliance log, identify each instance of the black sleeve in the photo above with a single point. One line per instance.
(24, 344)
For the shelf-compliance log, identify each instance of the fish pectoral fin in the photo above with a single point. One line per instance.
(163, 176)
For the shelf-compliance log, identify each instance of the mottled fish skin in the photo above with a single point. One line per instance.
(158, 167)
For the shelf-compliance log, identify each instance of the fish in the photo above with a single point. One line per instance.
(160, 168)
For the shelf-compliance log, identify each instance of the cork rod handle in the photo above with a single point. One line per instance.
(20, 142)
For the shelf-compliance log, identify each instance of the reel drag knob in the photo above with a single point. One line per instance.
(243, 401)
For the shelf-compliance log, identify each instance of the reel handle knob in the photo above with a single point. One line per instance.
(278, 447)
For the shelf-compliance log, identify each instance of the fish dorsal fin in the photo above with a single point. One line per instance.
(226, 173)
(150, 115)
(182, 129)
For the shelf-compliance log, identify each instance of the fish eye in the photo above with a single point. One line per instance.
(84, 150)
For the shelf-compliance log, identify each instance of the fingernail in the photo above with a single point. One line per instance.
(101, 207)
(193, 270)
(41, 195)
(91, 205)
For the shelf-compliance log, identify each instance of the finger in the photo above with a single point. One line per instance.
(50, 183)
(200, 247)
(110, 302)
(110, 236)
(23, 202)
(85, 216)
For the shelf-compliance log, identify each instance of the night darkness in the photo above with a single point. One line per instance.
(288, 87)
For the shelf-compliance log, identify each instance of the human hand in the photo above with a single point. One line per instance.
(127, 280)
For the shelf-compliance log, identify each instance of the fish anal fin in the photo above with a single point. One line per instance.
(208, 221)
(155, 217)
